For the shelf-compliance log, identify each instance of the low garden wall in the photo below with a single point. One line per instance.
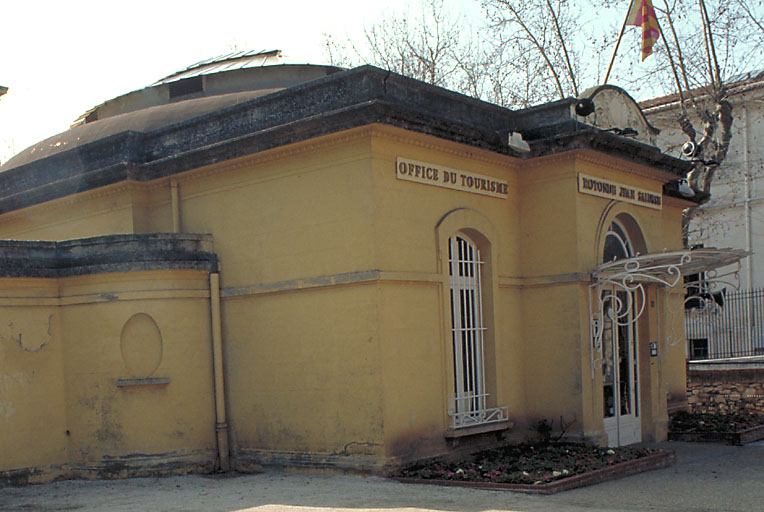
(722, 386)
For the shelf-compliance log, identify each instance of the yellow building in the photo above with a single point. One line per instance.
(314, 267)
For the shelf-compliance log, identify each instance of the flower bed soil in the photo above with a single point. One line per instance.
(736, 428)
(538, 469)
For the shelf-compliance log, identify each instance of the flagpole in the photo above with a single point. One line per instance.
(618, 43)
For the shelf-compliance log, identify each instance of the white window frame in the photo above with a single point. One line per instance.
(465, 269)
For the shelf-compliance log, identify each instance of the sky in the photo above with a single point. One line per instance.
(59, 59)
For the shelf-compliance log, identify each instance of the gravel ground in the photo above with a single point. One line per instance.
(707, 477)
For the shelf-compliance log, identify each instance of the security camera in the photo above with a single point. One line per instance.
(689, 149)
(584, 107)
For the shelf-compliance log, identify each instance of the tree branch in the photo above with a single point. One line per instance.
(538, 45)
(561, 40)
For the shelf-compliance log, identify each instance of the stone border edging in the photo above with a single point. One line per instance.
(654, 461)
(738, 438)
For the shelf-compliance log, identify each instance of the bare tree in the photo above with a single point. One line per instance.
(542, 31)
(530, 57)
(339, 53)
(753, 16)
(701, 87)
(431, 46)
(440, 48)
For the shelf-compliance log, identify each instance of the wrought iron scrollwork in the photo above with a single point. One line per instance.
(703, 296)
(630, 275)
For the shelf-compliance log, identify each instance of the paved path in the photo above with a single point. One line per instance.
(707, 477)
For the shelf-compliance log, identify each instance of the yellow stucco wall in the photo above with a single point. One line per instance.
(303, 372)
(64, 352)
(33, 413)
(336, 325)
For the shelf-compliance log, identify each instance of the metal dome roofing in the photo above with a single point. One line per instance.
(235, 60)
(212, 77)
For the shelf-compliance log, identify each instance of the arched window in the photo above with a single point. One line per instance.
(617, 243)
(467, 255)
(465, 270)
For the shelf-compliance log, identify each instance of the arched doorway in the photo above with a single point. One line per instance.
(620, 364)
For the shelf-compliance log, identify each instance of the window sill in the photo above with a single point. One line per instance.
(455, 433)
(151, 381)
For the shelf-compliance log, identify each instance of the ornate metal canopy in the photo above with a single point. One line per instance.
(617, 291)
(666, 267)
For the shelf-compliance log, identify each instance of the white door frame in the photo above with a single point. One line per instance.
(620, 372)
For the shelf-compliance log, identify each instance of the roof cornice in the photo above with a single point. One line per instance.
(341, 101)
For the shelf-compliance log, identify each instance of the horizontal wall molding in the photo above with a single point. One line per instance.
(548, 280)
(147, 381)
(133, 295)
(365, 276)
(91, 298)
(383, 276)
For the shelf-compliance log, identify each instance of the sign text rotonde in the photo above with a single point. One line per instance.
(618, 191)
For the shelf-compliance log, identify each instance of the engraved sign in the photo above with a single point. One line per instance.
(438, 176)
(619, 192)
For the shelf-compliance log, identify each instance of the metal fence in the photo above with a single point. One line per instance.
(728, 324)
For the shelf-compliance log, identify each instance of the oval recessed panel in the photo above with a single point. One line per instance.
(141, 345)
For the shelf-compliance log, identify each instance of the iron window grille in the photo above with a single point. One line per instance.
(469, 402)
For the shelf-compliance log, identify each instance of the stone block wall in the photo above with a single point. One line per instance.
(725, 390)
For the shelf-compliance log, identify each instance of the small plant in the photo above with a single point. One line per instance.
(544, 429)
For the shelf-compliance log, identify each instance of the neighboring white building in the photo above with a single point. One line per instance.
(734, 216)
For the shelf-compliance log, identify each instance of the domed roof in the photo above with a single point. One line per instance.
(201, 88)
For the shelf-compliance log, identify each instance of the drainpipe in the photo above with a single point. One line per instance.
(748, 226)
(748, 186)
(221, 426)
(175, 206)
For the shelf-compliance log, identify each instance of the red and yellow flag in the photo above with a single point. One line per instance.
(642, 15)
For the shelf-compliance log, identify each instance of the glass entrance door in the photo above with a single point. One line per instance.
(620, 370)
